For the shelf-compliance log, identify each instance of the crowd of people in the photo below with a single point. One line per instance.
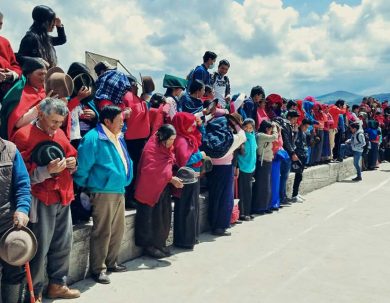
(73, 148)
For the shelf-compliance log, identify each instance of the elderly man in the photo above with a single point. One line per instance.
(105, 173)
(52, 193)
(15, 202)
(9, 67)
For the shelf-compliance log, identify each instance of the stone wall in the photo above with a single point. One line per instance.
(314, 178)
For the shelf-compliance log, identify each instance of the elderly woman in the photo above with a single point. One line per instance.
(20, 106)
(153, 192)
(37, 42)
(186, 214)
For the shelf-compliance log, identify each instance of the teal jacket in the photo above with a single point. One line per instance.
(247, 161)
(100, 167)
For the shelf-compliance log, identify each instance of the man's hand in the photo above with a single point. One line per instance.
(176, 182)
(20, 219)
(84, 92)
(71, 162)
(56, 166)
(294, 157)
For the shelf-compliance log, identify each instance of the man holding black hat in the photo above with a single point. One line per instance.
(15, 202)
(50, 160)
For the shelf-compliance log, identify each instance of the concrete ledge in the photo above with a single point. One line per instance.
(314, 178)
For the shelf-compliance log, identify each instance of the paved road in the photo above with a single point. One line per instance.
(333, 248)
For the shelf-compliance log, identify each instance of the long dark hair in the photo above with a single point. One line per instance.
(165, 132)
(43, 16)
(264, 126)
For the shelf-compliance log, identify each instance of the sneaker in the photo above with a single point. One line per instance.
(301, 197)
(357, 179)
(56, 291)
(296, 199)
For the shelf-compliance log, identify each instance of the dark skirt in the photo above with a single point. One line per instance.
(326, 145)
(245, 193)
(186, 216)
(317, 150)
(152, 224)
(262, 188)
(220, 186)
(275, 183)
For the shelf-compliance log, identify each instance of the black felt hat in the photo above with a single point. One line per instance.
(187, 175)
(47, 151)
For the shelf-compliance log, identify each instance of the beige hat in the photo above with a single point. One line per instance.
(60, 83)
(18, 246)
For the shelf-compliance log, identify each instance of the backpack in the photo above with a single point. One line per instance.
(218, 138)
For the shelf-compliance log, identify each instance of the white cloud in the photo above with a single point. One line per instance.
(267, 44)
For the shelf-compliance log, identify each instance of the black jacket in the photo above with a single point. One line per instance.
(287, 135)
(301, 146)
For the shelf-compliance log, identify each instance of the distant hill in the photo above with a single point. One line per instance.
(350, 98)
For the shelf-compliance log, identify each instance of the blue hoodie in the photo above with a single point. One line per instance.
(100, 167)
(247, 161)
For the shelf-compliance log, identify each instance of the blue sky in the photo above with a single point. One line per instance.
(294, 48)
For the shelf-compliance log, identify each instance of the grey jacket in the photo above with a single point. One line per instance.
(264, 143)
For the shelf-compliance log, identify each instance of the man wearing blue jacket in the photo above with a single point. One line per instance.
(104, 170)
(15, 200)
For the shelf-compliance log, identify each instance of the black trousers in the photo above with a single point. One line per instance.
(297, 183)
(245, 193)
(152, 224)
(134, 148)
(186, 217)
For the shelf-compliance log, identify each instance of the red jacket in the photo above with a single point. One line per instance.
(335, 111)
(55, 189)
(156, 118)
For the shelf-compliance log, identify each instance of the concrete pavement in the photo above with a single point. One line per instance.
(334, 247)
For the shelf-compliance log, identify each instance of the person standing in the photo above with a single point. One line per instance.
(153, 192)
(37, 42)
(335, 136)
(247, 164)
(221, 84)
(357, 142)
(104, 174)
(201, 71)
(52, 193)
(15, 200)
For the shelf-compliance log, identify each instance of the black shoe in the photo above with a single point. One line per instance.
(357, 179)
(101, 278)
(252, 217)
(275, 209)
(154, 253)
(269, 211)
(117, 268)
(166, 250)
(221, 232)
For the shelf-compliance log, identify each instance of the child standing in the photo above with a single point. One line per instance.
(247, 164)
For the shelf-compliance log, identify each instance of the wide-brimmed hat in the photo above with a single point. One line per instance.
(47, 151)
(235, 117)
(170, 81)
(18, 246)
(187, 175)
(59, 82)
(147, 85)
(81, 80)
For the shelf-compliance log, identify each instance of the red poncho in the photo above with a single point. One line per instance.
(186, 142)
(154, 172)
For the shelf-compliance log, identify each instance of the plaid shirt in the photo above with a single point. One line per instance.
(112, 86)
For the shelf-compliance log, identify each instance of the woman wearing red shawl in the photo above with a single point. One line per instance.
(273, 106)
(319, 116)
(21, 102)
(153, 192)
(186, 212)
(300, 111)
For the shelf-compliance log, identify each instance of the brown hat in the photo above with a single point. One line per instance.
(18, 246)
(60, 83)
(236, 117)
(147, 85)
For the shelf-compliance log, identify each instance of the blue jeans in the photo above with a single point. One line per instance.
(285, 168)
(356, 162)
